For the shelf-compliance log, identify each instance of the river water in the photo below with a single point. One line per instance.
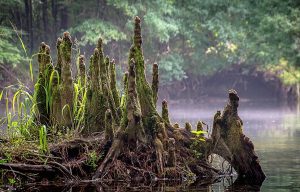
(274, 130)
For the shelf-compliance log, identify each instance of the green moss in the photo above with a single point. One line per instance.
(134, 129)
(165, 112)
(124, 120)
(81, 67)
(113, 84)
(155, 82)
(109, 131)
(107, 66)
(66, 88)
(40, 99)
(144, 91)
(43, 88)
(200, 127)
(59, 56)
(96, 104)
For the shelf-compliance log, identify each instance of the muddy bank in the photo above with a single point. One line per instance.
(251, 83)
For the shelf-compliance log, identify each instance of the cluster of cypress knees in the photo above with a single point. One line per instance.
(131, 122)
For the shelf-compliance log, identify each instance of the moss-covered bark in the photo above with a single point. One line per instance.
(113, 84)
(155, 82)
(124, 119)
(144, 90)
(82, 72)
(165, 112)
(188, 127)
(66, 88)
(109, 130)
(96, 105)
(106, 89)
(42, 87)
(229, 142)
(134, 128)
(56, 109)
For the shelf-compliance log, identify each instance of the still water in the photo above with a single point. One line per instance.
(274, 130)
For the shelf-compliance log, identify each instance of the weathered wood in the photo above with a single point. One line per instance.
(27, 168)
(229, 142)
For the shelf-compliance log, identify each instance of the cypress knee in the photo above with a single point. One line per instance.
(155, 82)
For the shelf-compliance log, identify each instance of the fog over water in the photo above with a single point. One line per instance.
(274, 130)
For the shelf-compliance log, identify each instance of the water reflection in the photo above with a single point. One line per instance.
(275, 132)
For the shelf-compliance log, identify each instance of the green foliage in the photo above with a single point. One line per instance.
(93, 159)
(43, 144)
(199, 135)
(171, 68)
(19, 112)
(9, 52)
(196, 37)
(90, 31)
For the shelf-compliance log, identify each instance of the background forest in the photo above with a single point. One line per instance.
(186, 38)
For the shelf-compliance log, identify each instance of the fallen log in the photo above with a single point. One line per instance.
(22, 167)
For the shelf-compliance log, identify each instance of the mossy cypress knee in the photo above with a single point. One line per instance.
(113, 84)
(200, 128)
(81, 67)
(109, 131)
(66, 81)
(188, 127)
(56, 113)
(124, 119)
(107, 66)
(171, 162)
(165, 112)
(176, 126)
(96, 105)
(134, 129)
(45, 69)
(155, 82)
(144, 90)
(107, 92)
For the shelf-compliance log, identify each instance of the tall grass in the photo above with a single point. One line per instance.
(19, 111)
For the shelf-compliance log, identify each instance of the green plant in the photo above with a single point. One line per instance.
(43, 145)
(199, 135)
(19, 111)
(93, 159)
(12, 181)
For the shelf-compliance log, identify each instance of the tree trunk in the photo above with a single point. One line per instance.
(28, 13)
(45, 18)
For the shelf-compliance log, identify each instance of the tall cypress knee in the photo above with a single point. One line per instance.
(144, 90)
(45, 69)
(113, 83)
(155, 82)
(135, 130)
(66, 81)
(165, 112)
(81, 67)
